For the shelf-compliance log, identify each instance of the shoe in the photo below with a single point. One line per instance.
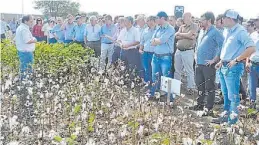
(220, 120)
(209, 112)
(196, 107)
(152, 99)
(190, 92)
(219, 101)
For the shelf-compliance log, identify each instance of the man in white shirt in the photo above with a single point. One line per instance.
(251, 29)
(129, 39)
(25, 44)
(92, 35)
(252, 67)
(45, 28)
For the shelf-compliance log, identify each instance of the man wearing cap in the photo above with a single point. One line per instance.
(252, 67)
(107, 30)
(92, 36)
(129, 39)
(68, 27)
(163, 42)
(210, 41)
(146, 50)
(237, 46)
(79, 30)
(184, 56)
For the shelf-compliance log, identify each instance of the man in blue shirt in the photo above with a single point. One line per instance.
(146, 49)
(68, 28)
(210, 41)
(107, 30)
(58, 32)
(237, 46)
(163, 42)
(79, 30)
(13, 25)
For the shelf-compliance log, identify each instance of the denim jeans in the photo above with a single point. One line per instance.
(26, 61)
(146, 63)
(161, 66)
(68, 41)
(52, 41)
(253, 81)
(230, 85)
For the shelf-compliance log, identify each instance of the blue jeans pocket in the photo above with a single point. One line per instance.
(224, 70)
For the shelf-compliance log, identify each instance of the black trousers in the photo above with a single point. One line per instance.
(205, 81)
(2, 37)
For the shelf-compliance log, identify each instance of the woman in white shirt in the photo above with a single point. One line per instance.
(51, 36)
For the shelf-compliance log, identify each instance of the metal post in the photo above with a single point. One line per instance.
(169, 91)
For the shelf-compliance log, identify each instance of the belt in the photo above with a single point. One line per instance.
(108, 43)
(184, 49)
(161, 55)
(224, 63)
(94, 41)
(254, 63)
(149, 52)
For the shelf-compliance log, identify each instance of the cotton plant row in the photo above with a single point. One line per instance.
(73, 104)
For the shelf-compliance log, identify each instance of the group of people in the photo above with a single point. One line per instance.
(162, 45)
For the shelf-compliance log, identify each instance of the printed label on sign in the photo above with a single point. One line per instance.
(175, 85)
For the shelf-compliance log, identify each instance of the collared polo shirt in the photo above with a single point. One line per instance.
(146, 39)
(236, 42)
(22, 37)
(187, 43)
(209, 45)
(129, 36)
(166, 35)
(92, 33)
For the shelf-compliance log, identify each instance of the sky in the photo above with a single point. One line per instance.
(246, 8)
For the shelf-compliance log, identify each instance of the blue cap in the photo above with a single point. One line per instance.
(162, 14)
(231, 14)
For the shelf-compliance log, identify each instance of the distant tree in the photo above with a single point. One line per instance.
(56, 8)
(92, 14)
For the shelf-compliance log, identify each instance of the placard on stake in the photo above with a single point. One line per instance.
(170, 86)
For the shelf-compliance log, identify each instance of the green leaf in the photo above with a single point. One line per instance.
(217, 126)
(156, 136)
(90, 128)
(165, 141)
(77, 109)
(132, 124)
(72, 125)
(73, 137)
(251, 111)
(57, 139)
